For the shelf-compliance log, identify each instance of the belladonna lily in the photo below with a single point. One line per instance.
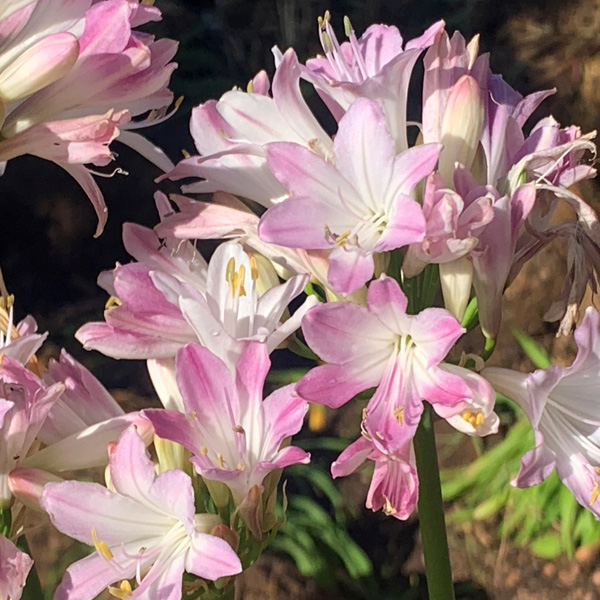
(381, 345)
(359, 201)
(234, 435)
(144, 527)
(563, 407)
(159, 313)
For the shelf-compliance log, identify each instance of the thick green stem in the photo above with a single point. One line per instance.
(431, 512)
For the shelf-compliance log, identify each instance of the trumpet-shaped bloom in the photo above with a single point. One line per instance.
(72, 74)
(234, 435)
(230, 136)
(14, 568)
(24, 405)
(381, 345)
(161, 311)
(374, 66)
(563, 408)
(394, 487)
(355, 204)
(144, 528)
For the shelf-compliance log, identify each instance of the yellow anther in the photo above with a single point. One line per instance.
(253, 268)
(180, 99)
(241, 467)
(327, 45)
(342, 240)
(327, 16)
(204, 450)
(230, 271)
(112, 302)
(194, 415)
(320, 22)
(388, 508)
(7, 302)
(348, 29)
(317, 417)
(220, 461)
(594, 493)
(479, 419)
(185, 153)
(380, 435)
(122, 592)
(101, 547)
(399, 414)
(250, 87)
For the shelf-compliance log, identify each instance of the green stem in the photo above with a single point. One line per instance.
(431, 512)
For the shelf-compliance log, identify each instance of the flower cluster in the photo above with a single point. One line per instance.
(364, 222)
(72, 76)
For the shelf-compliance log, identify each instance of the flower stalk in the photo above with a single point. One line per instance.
(431, 512)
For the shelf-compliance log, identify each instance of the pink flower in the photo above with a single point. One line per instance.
(375, 66)
(562, 405)
(24, 405)
(71, 76)
(380, 345)
(234, 435)
(394, 487)
(356, 203)
(230, 136)
(165, 303)
(144, 525)
(14, 568)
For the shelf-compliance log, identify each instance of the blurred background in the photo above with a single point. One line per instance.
(51, 261)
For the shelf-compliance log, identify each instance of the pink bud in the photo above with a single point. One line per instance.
(27, 485)
(461, 126)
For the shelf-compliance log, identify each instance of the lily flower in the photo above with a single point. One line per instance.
(359, 201)
(563, 408)
(234, 435)
(380, 345)
(144, 527)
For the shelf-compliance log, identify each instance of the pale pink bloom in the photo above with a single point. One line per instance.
(356, 204)
(72, 74)
(24, 404)
(394, 486)
(230, 136)
(452, 225)
(375, 66)
(14, 568)
(380, 345)
(160, 312)
(234, 435)
(563, 407)
(21, 341)
(144, 527)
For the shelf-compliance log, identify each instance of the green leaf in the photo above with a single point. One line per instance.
(547, 546)
(538, 356)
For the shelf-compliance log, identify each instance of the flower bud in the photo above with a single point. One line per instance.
(461, 126)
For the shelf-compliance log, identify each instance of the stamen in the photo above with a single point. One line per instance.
(388, 508)
(253, 268)
(241, 467)
(204, 450)
(123, 591)
(101, 547)
(399, 414)
(220, 461)
(595, 492)
(112, 302)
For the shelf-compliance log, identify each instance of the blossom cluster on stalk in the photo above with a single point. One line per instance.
(369, 222)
